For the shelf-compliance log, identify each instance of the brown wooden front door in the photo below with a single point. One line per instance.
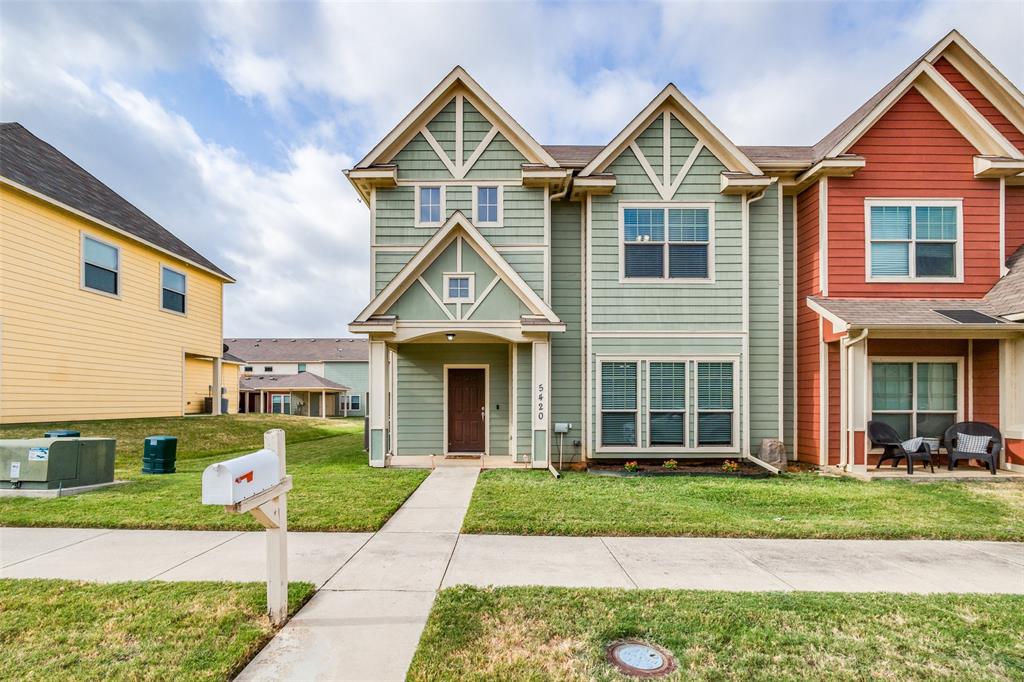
(466, 404)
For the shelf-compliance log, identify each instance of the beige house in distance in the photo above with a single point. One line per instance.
(103, 312)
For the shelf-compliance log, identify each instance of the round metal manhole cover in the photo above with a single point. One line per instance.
(640, 659)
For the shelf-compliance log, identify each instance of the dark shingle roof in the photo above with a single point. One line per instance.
(37, 165)
(796, 154)
(300, 381)
(299, 350)
(1007, 296)
(573, 155)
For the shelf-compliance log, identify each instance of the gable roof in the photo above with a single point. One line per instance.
(438, 98)
(920, 73)
(691, 117)
(300, 381)
(29, 163)
(1007, 295)
(457, 225)
(253, 350)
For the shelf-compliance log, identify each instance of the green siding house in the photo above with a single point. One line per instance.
(532, 302)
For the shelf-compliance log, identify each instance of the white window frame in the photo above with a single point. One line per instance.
(500, 222)
(913, 203)
(416, 202)
(247, 368)
(458, 275)
(184, 294)
(643, 407)
(81, 266)
(914, 361)
(357, 405)
(268, 369)
(687, 281)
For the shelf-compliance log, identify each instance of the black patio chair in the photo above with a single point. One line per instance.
(884, 436)
(990, 457)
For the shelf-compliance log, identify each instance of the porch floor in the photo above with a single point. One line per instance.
(923, 473)
(438, 461)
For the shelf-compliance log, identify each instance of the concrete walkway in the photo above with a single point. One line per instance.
(376, 590)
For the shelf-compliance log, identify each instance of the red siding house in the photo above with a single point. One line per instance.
(909, 273)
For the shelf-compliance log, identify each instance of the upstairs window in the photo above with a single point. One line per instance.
(247, 369)
(302, 367)
(429, 206)
(101, 264)
(268, 368)
(667, 243)
(172, 293)
(914, 239)
(458, 287)
(487, 205)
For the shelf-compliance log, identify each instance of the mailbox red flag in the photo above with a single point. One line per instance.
(247, 476)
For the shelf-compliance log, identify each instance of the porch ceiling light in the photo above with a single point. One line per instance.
(450, 336)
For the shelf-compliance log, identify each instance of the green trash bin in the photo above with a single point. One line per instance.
(159, 454)
(62, 433)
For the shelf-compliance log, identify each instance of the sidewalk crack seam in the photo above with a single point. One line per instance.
(57, 549)
(205, 551)
(618, 563)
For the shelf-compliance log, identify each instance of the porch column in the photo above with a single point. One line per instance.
(263, 403)
(541, 399)
(344, 404)
(323, 404)
(378, 401)
(857, 397)
(216, 385)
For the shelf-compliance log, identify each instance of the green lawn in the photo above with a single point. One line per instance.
(799, 505)
(63, 630)
(535, 633)
(197, 436)
(334, 489)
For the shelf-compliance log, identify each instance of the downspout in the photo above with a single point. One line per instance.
(847, 458)
(747, 201)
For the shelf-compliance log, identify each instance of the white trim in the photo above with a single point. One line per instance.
(471, 276)
(782, 313)
(547, 244)
(823, 235)
(459, 100)
(373, 238)
(796, 389)
(823, 368)
(457, 182)
(999, 90)
(479, 151)
(970, 380)
(83, 235)
(513, 402)
(442, 155)
(586, 277)
(648, 334)
(480, 299)
(396, 248)
(433, 294)
(665, 279)
(487, 406)
(691, 118)
(416, 203)
(913, 203)
(685, 170)
(914, 361)
(500, 222)
(839, 325)
(107, 226)
(184, 294)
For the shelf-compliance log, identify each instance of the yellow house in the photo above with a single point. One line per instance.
(103, 312)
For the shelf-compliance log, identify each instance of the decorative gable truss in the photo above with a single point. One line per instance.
(461, 239)
(459, 121)
(672, 107)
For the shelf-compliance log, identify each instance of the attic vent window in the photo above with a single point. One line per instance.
(968, 317)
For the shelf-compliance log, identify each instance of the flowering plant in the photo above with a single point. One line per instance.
(631, 466)
(730, 466)
(670, 464)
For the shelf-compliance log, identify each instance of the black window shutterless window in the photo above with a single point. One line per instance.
(172, 295)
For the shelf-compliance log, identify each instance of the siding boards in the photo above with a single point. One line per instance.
(421, 394)
(442, 127)
(789, 312)
(500, 161)
(419, 160)
(530, 266)
(355, 375)
(1014, 219)
(388, 263)
(979, 102)
(566, 371)
(764, 318)
(808, 284)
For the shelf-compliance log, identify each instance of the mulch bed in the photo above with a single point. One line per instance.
(695, 467)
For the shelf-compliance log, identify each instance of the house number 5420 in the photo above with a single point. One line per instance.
(540, 402)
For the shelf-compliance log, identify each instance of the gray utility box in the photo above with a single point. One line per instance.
(49, 463)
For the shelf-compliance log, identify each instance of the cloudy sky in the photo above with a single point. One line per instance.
(230, 124)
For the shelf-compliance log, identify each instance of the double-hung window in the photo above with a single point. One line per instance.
(101, 266)
(429, 205)
(353, 402)
(915, 398)
(619, 404)
(487, 205)
(914, 239)
(172, 290)
(667, 403)
(715, 405)
(667, 242)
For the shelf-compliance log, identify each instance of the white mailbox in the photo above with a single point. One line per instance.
(236, 480)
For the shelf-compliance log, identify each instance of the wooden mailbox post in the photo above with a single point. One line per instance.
(257, 483)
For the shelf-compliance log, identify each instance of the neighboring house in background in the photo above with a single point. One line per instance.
(104, 314)
(648, 293)
(315, 377)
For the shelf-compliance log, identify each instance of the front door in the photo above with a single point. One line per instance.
(466, 410)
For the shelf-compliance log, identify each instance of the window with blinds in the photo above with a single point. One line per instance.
(913, 239)
(618, 403)
(666, 243)
(915, 398)
(667, 403)
(714, 403)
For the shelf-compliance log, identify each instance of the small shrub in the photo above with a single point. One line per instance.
(730, 466)
(631, 466)
(670, 464)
